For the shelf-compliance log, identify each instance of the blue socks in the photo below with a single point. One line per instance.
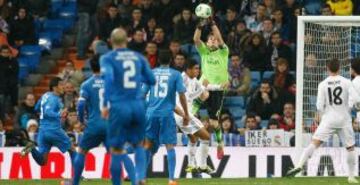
(78, 167)
(140, 163)
(38, 157)
(171, 159)
(115, 168)
(130, 169)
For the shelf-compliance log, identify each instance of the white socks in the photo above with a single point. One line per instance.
(350, 159)
(203, 153)
(306, 155)
(191, 154)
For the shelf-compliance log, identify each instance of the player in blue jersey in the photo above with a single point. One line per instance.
(50, 132)
(161, 126)
(91, 93)
(124, 72)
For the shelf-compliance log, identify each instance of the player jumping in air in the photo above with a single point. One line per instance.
(195, 129)
(161, 126)
(91, 94)
(214, 66)
(124, 71)
(333, 105)
(50, 132)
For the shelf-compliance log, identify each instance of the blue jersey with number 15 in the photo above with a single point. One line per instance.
(124, 71)
(162, 97)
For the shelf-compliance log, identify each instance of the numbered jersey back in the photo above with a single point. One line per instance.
(333, 98)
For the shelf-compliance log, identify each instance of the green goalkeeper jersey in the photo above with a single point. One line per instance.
(214, 64)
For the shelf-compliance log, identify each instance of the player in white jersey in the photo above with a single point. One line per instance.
(334, 107)
(195, 129)
(355, 70)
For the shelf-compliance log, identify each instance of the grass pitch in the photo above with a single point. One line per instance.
(248, 181)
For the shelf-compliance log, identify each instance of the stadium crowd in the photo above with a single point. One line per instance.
(261, 35)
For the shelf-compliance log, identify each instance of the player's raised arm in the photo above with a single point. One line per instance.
(108, 74)
(197, 34)
(217, 33)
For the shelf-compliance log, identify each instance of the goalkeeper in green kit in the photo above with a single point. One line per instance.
(215, 78)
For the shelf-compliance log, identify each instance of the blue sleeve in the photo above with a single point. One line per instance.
(145, 89)
(108, 74)
(180, 88)
(49, 109)
(38, 105)
(147, 74)
(84, 95)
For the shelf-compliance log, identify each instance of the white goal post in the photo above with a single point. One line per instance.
(322, 37)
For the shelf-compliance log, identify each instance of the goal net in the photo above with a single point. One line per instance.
(319, 39)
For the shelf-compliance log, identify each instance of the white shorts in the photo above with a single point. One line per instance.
(194, 125)
(346, 134)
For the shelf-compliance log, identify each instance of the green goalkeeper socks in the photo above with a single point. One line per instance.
(218, 134)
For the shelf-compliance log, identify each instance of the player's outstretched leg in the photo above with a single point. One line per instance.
(130, 169)
(203, 155)
(350, 159)
(115, 166)
(140, 164)
(78, 165)
(30, 148)
(304, 157)
(191, 154)
(171, 159)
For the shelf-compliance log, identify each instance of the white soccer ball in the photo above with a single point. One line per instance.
(203, 11)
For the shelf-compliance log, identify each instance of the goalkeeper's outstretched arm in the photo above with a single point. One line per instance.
(217, 33)
(197, 34)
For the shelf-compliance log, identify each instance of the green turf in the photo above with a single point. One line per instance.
(264, 181)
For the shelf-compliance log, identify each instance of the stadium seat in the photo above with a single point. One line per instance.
(237, 112)
(255, 76)
(267, 74)
(264, 123)
(254, 84)
(239, 123)
(23, 68)
(55, 36)
(234, 101)
(32, 53)
(57, 24)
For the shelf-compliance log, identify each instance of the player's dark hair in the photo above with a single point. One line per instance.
(333, 65)
(190, 63)
(94, 63)
(164, 60)
(54, 82)
(355, 65)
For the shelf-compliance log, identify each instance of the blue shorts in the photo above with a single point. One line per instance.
(92, 139)
(126, 123)
(161, 130)
(48, 138)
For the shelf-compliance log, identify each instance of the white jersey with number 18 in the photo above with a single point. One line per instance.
(333, 101)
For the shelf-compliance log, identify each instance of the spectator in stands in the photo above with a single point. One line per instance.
(273, 124)
(70, 74)
(251, 123)
(266, 30)
(282, 79)
(22, 29)
(160, 38)
(2, 135)
(26, 112)
(32, 129)
(288, 9)
(10, 69)
(341, 7)
(280, 25)
(150, 28)
(4, 30)
(293, 26)
(174, 47)
(326, 10)
(77, 130)
(179, 62)
(151, 53)
(237, 38)
(230, 21)
(255, 56)
(70, 95)
(229, 138)
(148, 9)
(86, 11)
(240, 77)
(71, 120)
(279, 49)
(356, 125)
(111, 21)
(270, 7)
(265, 101)
(137, 42)
(5, 9)
(125, 7)
(166, 10)
(254, 22)
(287, 122)
(39, 9)
(185, 27)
